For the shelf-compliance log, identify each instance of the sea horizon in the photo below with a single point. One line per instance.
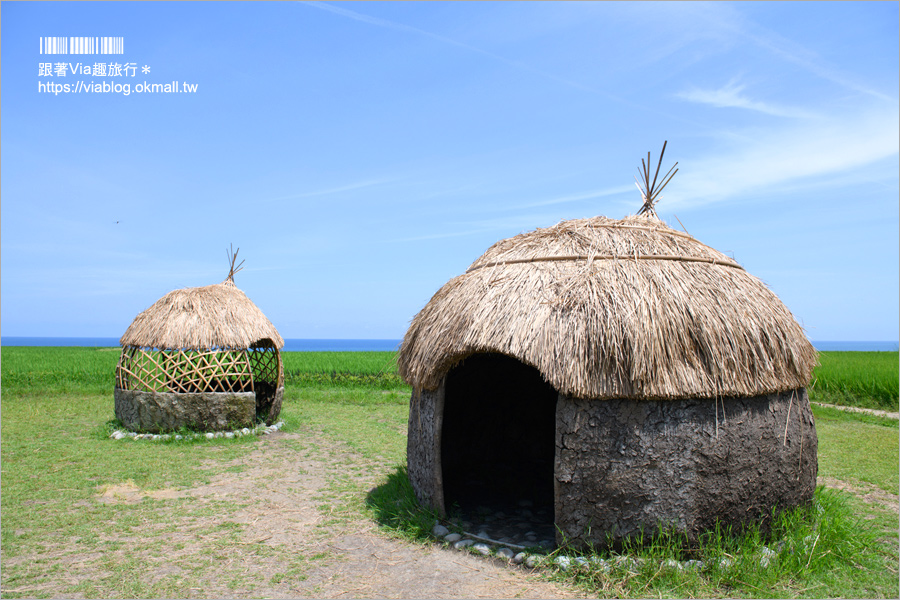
(386, 345)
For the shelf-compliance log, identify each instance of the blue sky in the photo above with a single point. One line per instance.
(362, 154)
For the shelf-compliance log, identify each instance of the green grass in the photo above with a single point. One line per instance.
(865, 379)
(343, 369)
(30, 369)
(856, 450)
(56, 459)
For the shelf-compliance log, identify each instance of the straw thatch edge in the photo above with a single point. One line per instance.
(625, 327)
(199, 318)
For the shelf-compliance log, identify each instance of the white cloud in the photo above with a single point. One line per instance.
(789, 157)
(731, 96)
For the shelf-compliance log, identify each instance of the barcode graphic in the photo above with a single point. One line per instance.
(82, 45)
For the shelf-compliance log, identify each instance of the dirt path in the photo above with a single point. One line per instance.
(295, 504)
(869, 411)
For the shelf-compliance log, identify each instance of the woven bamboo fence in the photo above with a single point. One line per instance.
(195, 371)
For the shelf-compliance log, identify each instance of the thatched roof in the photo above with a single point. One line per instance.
(214, 316)
(608, 308)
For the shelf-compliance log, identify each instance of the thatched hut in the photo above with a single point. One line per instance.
(205, 358)
(618, 371)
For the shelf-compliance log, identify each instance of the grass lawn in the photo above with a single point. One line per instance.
(59, 466)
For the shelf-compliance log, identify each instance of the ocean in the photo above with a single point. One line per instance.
(304, 345)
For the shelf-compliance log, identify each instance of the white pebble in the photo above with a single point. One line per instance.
(452, 537)
(463, 544)
(439, 530)
(519, 558)
(179, 437)
(245, 431)
(210, 436)
(505, 553)
(482, 548)
(532, 561)
(229, 435)
(563, 562)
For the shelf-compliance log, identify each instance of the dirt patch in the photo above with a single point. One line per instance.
(865, 492)
(129, 493)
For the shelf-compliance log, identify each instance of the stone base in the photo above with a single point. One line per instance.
(155, 412)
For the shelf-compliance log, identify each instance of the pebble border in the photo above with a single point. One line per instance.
(492, 548)
(121, 434)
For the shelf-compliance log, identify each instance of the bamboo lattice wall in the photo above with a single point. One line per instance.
(195, 371)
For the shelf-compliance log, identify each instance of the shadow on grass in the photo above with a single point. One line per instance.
(395, 506)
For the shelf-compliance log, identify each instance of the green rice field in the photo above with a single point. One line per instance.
(863, 379)
(866, 379)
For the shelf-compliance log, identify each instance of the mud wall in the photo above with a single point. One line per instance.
(624, 465)
(423, 446)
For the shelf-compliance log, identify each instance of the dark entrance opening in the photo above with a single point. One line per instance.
(498, 442)
(265, 364)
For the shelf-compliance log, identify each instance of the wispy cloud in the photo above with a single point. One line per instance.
(808, 61)
(731, 95)
(614, 191)
(438, 236)
(805, 153)
(350, 14)
(507, 225)
(729, 21)
(334, 190)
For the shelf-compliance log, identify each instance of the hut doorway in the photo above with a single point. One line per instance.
(268, 377)
(498, 439)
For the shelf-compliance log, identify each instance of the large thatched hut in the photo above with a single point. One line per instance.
(205, 358)
(620, 372)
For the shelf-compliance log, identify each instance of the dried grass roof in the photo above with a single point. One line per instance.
(214, 316)
(608, 308)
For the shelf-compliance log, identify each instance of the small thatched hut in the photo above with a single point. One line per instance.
(205, 358)
(619, 372)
